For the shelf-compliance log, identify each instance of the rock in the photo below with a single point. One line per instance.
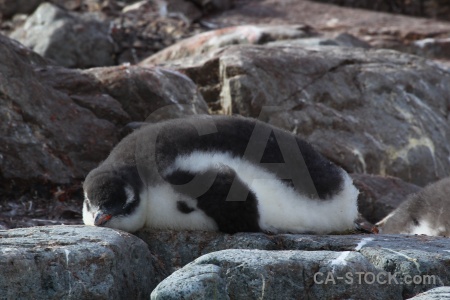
(216, 5)
(380, 30)
(80, 262)
(349, 40)
(175, 249)
(344, 40)
(213, 40)
(182, 9)
(425, 8)
(359, 107)
(380, 195)
(45, 136)
(140, 5)
(288, 274)
(68, 39)
(433, 48)
(438, 293)
(151, 94)
(59, 123)
(9, 8)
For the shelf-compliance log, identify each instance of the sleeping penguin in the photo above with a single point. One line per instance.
(426, 212)
(218, 173)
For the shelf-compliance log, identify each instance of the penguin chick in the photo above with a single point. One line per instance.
(426, 212)
(221, 173)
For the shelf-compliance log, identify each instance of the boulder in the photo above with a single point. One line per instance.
(343, 40)
(151, 94)
(207, 42)
(68, 39)
(438, 293)
(79, 262)
(371, 111)
(183, 9)
(308, 266)
(45, 136)
(9, 8)
(380, 30)
(432, 47)
(58, 123)
(425, 8)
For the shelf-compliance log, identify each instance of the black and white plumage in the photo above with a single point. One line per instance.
(218, 173)
(426, 212)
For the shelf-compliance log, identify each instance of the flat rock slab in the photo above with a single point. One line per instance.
(73, 262)
(253, 266)
(213, 40)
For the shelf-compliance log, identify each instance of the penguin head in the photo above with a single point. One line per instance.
(112, 200)
(405, 219)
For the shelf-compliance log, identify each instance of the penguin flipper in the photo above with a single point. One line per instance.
(222, 195)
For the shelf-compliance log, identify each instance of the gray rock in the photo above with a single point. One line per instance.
(58, 124)
(439, 293)
(45, 136)
(8, 8)
(175, 249)
(151, 94)
(182, 9)
(212, 40)
(343, 39)
(66, 38)
(371, 111)
(74, 262)
(432, 47)
(426, 8)
(92, 262)
(380, 30)
(249, 274)
(215, 4)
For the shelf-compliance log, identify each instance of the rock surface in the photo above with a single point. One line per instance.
(59, 123)
(439, 293)
(86, 262)
(212, 40)
(151, 94)
(8, 8)
(380, 30)
(248, 274)
(424, 8)
(76, 262)
(359, 107)
(44, 134)
(67, 39)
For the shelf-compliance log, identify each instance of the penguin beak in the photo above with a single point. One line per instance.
(101, 218)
